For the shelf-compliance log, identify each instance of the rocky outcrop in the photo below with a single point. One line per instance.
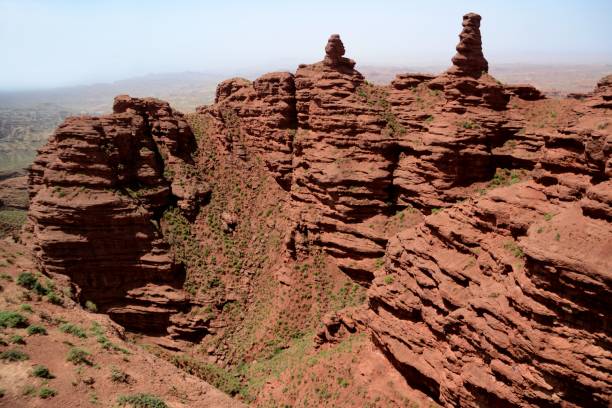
(495, 293)
(97, 191)
(343, 162)
(490, 301)
(525, 91)
(259, 117)
(502, 300)
(469, 60)
(353, 154)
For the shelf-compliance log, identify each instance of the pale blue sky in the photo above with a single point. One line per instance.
(46, 43)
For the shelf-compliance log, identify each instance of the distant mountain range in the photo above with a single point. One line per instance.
(27, 118)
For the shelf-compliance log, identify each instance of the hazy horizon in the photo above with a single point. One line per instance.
(69, 43)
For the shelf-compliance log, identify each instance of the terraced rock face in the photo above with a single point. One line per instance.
(503, 300)
(353, 154)
(97, 191)
(477, 214)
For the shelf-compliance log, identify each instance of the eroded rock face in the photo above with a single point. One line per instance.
(502, 300)
(491, 300)
(490, 297)
(353, 154)
(469, 59)
(258, 116)
(97, 191)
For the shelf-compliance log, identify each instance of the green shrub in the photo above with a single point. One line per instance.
(26, 308)
(12, 319)
(210, 373)
(141, 401)
(389, 279)
(6, 277)
(41, 371)
(45, 393)
(27, 280)
(379, 263)
(39, 289)
(91, 306)
(119, 376)
(13, 355)
(514, 249)
(16, 339)
(74, 330)
(36, 329)
(54, 298)
(79, 356)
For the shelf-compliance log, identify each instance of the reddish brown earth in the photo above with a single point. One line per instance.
(82, 384)
(476, 215)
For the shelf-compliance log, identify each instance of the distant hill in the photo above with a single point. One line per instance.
(28, 118)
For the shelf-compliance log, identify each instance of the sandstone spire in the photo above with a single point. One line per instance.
(469, 59)
(334, 51)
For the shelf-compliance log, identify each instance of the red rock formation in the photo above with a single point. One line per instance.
(97, 189)
(322, 140)
(525, 91)
(259, 117)
(343, 162)
(502, 300)
(469, 59)
(489, 302)
(496, 298)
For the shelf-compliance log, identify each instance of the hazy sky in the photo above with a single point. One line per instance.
(48, 43)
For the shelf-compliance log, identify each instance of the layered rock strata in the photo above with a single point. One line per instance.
(502, 300)
(97, 191)
(353, 154)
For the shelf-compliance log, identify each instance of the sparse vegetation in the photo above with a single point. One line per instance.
(377, 97)
(26, 308)
(79, 356)
(27, 280)
(106, 344)
(548, 216)
(467, 124)
(54, 298)
(506, 177)
(389, 279)
(74, 330)
(13, 355)
(514, 249)
(12, 319)
(46, 392)
(141, 401)
(41, 371)
(210, 373)
(17, 339)
(34, 329)
(91, 306)
(119, 376)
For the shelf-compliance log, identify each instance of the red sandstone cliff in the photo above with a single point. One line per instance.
(97, 191)
(489, 207)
